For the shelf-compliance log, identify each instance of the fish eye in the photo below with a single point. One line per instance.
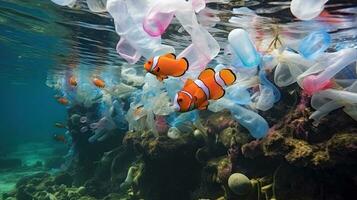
(149, 62)
(179, 99)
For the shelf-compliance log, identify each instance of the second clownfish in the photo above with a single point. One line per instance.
(209, 85)
(72, 81)
(98, 82)
(167, 65)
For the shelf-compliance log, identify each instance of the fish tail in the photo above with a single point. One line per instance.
(187, 63)
(183, 67)
(227, 76)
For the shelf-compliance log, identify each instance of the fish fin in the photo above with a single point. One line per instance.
(188, 82)
(170, 55)
(203, 106)
(182, 68)
(187, 63)
(159, 78)
(208, 72)
(218, 95)
(227, 76)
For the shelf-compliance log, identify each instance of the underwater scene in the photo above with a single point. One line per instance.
(178, 100)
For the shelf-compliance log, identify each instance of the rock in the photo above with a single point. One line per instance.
(342, 148)
(239, 184)
(63, 178)
(75, 118)
(252, 149)
(274, 145)
(54, 162)
(226, 136)
(23, 194)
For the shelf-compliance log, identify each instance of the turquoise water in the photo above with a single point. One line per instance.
(42, 44)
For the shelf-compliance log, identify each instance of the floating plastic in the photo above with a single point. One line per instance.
(336, 62)
(269, 93)
(328, 100)
(117, 114)
(314, 44)
(184, 121)
(307, 9)
(103, 130)
(203, 48)
(134, 42)
(290, 66)
(130, 76)
(243, 47)
(256, 124)
(239, 92)
(162, 12)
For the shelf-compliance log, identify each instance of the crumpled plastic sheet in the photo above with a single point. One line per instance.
(203, 47)
(289, 66)
(183, 122)
(113, 118)
(243, 48)
(150, 101)
(134, 41)
(328, 100)
(256, 124)
(268, 93)
(307, 10)
(317, 76)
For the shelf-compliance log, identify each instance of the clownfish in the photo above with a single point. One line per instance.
(166, 65)
(98, 82)
(63, 100)
(72, 81)
(209, 85)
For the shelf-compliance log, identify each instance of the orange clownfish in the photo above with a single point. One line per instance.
(166, 65)
(72, 81)
(209, 85)
(63, 100)
(98, 82)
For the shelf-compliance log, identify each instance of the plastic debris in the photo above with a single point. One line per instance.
(327, 69)
(242, 46)
(314, 44)
(256, 124)
(134, 41)
(306, 10)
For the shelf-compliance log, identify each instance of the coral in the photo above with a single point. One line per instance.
(252, 149)
(300, 152)
(224, 170)
(43, 186)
